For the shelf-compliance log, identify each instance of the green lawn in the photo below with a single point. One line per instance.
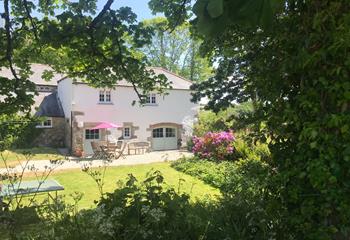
(14, 157)
(78, 181)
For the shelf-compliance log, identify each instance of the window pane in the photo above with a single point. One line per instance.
(170, 132)
(92, 134)
(158, 133)
(153, 98)
(108, 96)
(87, 134)
(126, 132)
(148, 99)
(102, 96)
(47, 123)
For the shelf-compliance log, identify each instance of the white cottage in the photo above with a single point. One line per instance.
(73, 108)
(161, 121)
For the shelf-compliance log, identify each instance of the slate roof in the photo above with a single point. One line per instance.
(177, 82)
(50, 107)
(36, 78)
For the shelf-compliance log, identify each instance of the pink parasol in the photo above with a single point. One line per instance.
(105, 125)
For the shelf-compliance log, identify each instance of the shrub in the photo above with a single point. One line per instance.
(151, 210)
(214, 146)
(231, 118)
(209, 172)
(248, 209)
(17, 131)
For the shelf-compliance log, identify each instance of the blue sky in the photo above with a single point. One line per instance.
(140, 7)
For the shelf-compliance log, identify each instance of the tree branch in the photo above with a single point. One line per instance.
(35, 31)
(9, 40)
(178, 13)
(100, 15)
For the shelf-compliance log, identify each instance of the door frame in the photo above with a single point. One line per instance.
(178, 129)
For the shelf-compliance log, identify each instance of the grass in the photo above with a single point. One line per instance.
(78, 181)
(15, 156)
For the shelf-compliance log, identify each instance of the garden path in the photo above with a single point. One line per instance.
(151, 157)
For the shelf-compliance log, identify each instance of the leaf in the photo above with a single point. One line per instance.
(215, 8)
(266, 14)
(313, 145)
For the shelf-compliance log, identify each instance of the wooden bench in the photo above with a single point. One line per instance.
(138, 147)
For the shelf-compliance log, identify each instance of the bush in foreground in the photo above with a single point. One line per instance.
(151, 210)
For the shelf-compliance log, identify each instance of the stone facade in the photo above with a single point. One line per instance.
(53, 136)
(78, 134)
(67, 138)
(133, 130)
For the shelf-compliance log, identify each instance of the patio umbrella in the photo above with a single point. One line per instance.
(106, 125)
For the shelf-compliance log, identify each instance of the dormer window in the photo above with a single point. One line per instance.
(151, 99)
(105, 96)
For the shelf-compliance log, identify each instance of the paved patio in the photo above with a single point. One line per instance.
(152, 157)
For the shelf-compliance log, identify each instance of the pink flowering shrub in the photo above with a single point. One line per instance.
(214, 146)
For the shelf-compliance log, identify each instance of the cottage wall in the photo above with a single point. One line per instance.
(54, 136)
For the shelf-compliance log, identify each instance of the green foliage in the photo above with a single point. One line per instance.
(210, 172)
(98, 48)
(17, 131)
(231, 118)
(176, 50)
(291, 57)
(215, 16)
(142, 211)
(151, 210)
(251, 159)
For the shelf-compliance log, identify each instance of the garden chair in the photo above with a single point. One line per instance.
(116, 151)
(120, 151)
(97, 152)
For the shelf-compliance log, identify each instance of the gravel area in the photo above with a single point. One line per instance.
(73, 163)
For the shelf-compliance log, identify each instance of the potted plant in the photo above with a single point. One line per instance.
(78, 152)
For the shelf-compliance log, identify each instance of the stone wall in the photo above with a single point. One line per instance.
(67, 137)
(133, 130)
(54, 136)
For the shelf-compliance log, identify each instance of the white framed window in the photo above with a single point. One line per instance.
(108, 96)
(105, 96)
(170, 132)
(92, 134)
(102, 96)
(157, 133)
(126, 132)
(47, 123)
(151, 99)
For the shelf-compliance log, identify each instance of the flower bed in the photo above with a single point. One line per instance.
(214, 146)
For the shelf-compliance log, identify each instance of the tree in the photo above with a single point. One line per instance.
(95, 47)
(176, 50)
(291, 57)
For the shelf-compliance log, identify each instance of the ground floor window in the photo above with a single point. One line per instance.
(45, 124)
(92, 134)
(126, 132)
